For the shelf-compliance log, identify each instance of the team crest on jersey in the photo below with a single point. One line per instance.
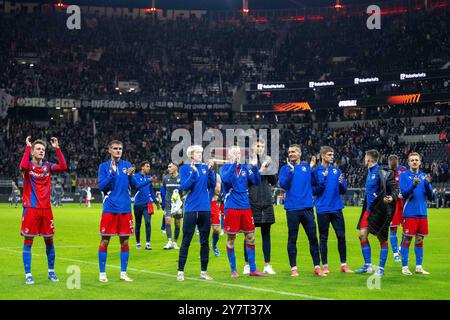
(204, 171)
(334, 171)
(45, 170)
(304, 169)
(124, 170)
(244, 174)
(373, 176)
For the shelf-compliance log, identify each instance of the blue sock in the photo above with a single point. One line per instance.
(222, 219)
(384, 254)
(418, 250)
(26, 256)
(394, 240)
(50, 250)
(102, 255)
(367, 254)
(215, 238)
(124, 255)
(231, 257)
(404, 251)
(250, 248)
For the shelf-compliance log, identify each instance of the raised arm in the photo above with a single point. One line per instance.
(285, 178)
(105, 177)
(406, 186)
(25, 159)
(152, 193)
(61, 165)
(187, 178)
(318, 181)
(342, 184)
(139, 184)
(227, 174)
(254, 176)
(212, 180)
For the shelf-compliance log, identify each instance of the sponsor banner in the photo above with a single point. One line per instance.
(408, 76)
(405, 98)
(313, 84)
(366, 80)
(357, 80)
(347, 103)
(47, 103)
(294, 106)
(411, 98)
(261, 86)
(161, 105)
(118, 104)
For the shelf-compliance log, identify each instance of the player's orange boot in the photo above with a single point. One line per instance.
(326, 269)
(318, 272)
(234, 274)
(258, 274)
(346, 269)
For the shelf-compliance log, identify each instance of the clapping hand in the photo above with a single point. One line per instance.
(194, 168)
(291, 167)
(131, 170)
(54, 142)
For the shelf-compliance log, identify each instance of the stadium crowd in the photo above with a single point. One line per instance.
(207, 60)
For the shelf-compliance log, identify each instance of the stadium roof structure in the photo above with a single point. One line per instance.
(213, 5)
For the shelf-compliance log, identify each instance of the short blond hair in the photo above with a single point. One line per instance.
(193, 148)
(412, 154)
(41, 142)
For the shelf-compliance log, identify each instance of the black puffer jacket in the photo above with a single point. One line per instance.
(261, 199)
(381, 214)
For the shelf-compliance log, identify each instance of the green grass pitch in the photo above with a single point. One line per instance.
(154, 272)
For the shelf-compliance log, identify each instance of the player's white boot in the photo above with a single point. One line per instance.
(406, 272)
(420, 270)
(246, 269)
(169, 245)
(124, 276)
(205, 276)
(103, 277)
(175, 245)
(268, 269)
(180, 276)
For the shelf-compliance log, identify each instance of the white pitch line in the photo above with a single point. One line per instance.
(292, 294)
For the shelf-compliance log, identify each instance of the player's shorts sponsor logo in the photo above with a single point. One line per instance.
(103, 230)
(406, 231)
(26, 230)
